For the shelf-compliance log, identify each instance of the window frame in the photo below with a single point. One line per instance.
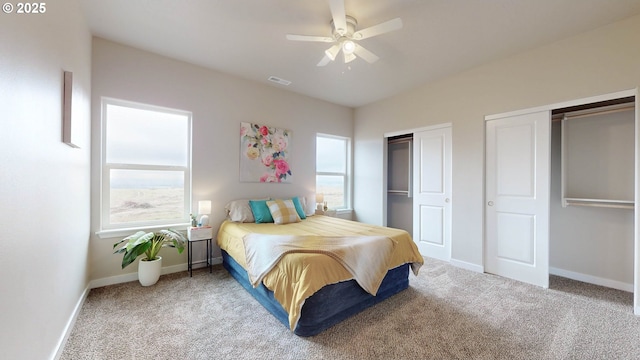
(105, 170)
(347, 171)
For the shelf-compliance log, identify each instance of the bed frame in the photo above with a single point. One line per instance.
(329, 305)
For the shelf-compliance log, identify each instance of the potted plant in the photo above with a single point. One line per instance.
(149, 244)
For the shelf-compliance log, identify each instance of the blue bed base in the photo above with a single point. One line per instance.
(329, 305)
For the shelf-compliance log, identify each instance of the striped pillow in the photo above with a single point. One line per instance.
(283, 211)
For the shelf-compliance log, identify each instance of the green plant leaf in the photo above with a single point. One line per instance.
(149, 243)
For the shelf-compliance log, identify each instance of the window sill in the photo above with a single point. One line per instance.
(118, 233)
(344, 211)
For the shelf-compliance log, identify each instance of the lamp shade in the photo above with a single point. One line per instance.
(204, 209)
(332, 51)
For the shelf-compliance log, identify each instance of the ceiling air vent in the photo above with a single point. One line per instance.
(279, 81)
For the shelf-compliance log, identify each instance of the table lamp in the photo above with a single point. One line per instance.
(319, 201)
(204, 209)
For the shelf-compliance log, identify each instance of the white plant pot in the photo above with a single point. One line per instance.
(149, 271)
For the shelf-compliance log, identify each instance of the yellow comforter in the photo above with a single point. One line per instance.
(365, 257)
(299, 275)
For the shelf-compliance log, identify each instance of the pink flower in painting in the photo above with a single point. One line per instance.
(269, 178)
(264, 149)
(267, 160)
(279, 143)
(282, 167)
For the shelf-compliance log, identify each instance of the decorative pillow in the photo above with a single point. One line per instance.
(240, 211)
(299, 207)
(260, 211)
(283, 211)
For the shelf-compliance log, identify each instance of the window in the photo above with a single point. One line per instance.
(146, 165)
(332, 170)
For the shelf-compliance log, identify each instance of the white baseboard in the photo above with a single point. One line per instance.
(70, 323)
(119, 279)
(592, 280)
(467, 265)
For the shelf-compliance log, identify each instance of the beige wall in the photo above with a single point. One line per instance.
(597, 62)
(44, 184)
(219, 103)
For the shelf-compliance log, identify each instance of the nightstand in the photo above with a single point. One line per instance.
(195, 234)
(331, 213)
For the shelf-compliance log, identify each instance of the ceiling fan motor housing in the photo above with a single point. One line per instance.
(348, 32)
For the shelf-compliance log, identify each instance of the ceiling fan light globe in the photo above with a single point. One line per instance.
(348, 46)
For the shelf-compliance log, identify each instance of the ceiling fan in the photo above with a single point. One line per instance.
(345, 36)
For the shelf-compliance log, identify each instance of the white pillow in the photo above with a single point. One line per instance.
(240, 211)
(307, 207)
(303, 203)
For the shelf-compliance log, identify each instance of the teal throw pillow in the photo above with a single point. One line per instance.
(260, 211)
(299, 209)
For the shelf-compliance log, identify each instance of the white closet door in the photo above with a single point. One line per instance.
(432, 192)
(517, 197)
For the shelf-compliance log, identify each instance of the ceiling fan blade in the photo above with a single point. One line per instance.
(365, 54)
(309, 38)
(339, 16)
(381, 28)
(325, 60)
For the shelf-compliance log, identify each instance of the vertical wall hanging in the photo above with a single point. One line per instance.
(67, 120)
(264, 154)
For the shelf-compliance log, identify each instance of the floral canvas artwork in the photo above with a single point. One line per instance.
(264, 154)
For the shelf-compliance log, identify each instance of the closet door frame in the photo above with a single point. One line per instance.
(385, 167)
(594, 99)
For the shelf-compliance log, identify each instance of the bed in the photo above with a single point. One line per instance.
(310, 292)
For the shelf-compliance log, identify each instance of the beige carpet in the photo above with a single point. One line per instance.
(447, 313)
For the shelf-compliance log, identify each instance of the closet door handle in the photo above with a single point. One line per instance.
(490, 203)
(446, 200)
